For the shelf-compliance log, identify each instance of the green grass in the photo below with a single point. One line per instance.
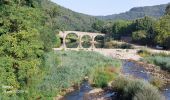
(135, 89)
(103, 76)
(73, 67)
(160, 59)
(63, 69)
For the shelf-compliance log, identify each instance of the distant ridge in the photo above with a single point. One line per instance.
(137, 12)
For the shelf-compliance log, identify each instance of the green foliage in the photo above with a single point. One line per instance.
(139, 36)
(104, 75)
(155, 81)
(115, 44)
(22, 46)
(98, 25)
(144, 23)
(144, 53)
(64, 19)
(159, 60)
(120, 27)
(144, 32)
(167, 10)
(148, 93)
(134, 89)
(163, 31)
(86, 41)
(102, 79)
(74, 66)
(20, 56)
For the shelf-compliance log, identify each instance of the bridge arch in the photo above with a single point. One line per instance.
(80, 36)
(99, 41)
(86, 41)
(72, 40)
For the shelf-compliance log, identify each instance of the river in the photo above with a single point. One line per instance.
(128, 68)
(131, 68)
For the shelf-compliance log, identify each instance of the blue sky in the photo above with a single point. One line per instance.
(106, 7)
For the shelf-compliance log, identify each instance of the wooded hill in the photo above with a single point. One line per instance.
(66, 19)
(137, 12)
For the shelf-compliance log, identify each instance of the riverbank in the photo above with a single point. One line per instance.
(132, 68)
(145, 71)
(154, 70)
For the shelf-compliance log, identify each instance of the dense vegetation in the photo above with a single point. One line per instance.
(22, 45)
(137, 12)
(68, 68)
(28, 32)
(162, 60)
(135, 89)
(65, 19)
(145, 31)
(116, 44)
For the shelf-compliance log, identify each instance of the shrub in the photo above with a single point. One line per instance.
(139, 36)
(135, 89)
(126, 46)
(148, 93)
(155, 81)
(103, 77)
(144, 53)
(162, 61)
(115, 44)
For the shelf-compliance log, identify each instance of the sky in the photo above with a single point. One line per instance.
(106, 7)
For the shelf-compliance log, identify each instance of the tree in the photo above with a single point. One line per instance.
(167, 10)
(24, 39)
(120, 28)
(98, 25)
(163, 31)
(148, 25)
(139, 36)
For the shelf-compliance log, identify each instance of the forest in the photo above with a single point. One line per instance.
(144, 31)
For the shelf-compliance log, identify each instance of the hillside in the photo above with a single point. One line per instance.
(138, 12)
(65, 19)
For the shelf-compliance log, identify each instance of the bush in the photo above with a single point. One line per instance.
(139, 36)
(135, 89)
(144, 53)
(155, 81)
(162, 61)
(159, 59)
(103, 77)
(148, 93)
(115, 44)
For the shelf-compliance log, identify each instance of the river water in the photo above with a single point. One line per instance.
(129, 68)
(78, 95)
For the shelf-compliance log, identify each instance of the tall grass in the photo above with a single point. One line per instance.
(73, 67)
(135, 89)
(160, 59)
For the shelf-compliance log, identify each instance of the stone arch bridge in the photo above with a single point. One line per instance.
(63, 35)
